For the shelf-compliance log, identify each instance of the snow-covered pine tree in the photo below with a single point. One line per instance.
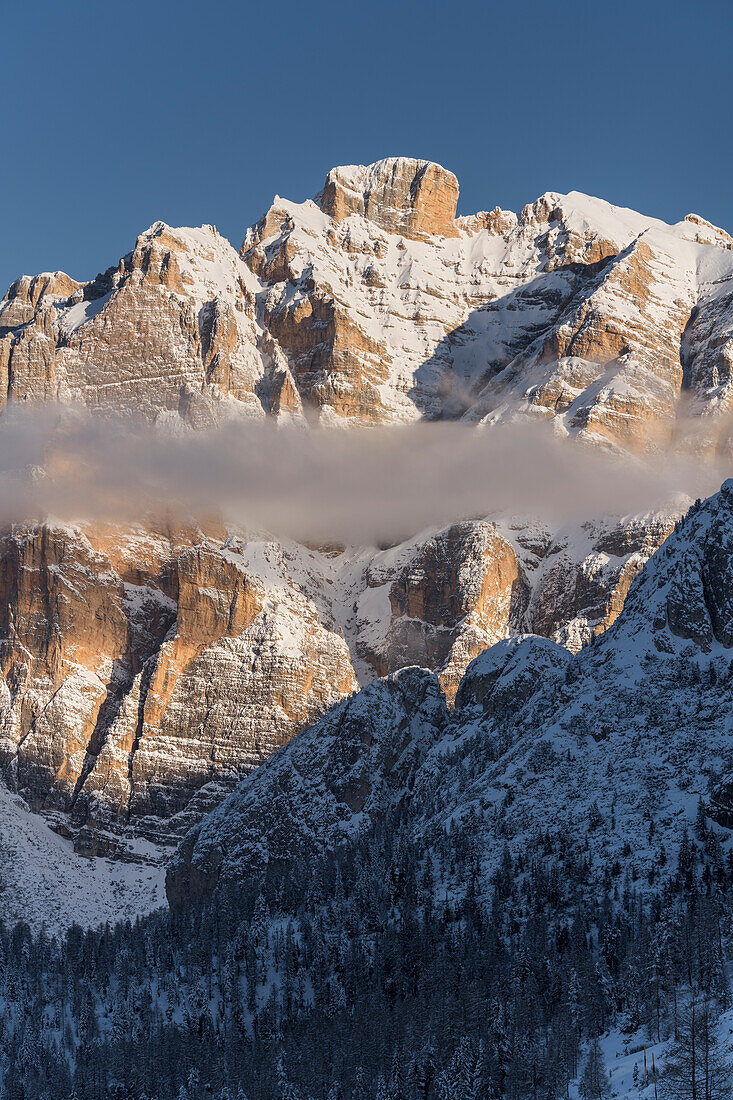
(594, 1083)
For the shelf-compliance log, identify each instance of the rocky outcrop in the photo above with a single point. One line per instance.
(572, 310)
(412, 197)
(364, 753)
(138, 674)
(609, 750)
(585, 573)
(376, 304)
(145, 671)
(446, 599)
(503, 678)
(170, 331)
(441, 601)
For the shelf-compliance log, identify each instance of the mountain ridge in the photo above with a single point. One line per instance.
(350, 312)
(145, 671)
(613, 747)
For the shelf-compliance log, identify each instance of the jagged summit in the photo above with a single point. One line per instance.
(376, 304)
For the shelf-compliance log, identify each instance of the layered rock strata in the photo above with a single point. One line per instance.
(144, 672)
(613, 751)
(376, 304)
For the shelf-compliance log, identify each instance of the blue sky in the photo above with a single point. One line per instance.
(118, 114)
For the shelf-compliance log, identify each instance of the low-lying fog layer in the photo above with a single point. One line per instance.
(359, 486)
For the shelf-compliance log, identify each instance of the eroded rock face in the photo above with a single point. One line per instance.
(442, 601)
(364, 752)
(586, 572)
(170, 331)
(376, 304)
(595, 317)
(133, 679)
(412, 197)
(448, 599)
(145, 671)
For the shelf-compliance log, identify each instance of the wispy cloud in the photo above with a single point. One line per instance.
(361, 486)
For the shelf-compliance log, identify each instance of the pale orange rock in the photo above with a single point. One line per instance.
(376, 304)
(440, 602)
(128, 686)
(413, 197)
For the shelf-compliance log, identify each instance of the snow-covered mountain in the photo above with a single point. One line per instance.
(147, 669)
(145, 672)
(375, 303)
(432, 799)
(611, 748)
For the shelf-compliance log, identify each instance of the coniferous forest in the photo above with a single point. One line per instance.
(361, 977)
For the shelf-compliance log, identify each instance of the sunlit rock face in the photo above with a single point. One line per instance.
(390, 308)
(375, 303)
(145, 670)
(168, 332)
(453, 596)
(440, 601)
(412, 197)
(140, 666)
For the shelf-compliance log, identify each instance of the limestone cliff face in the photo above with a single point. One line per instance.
(389, 308)
(446, 599)
(133, 679)
(585, 573)
(412, 197)
(145, 671)
(634, 729)
(169, 331)
(375, 303)
(440, 602)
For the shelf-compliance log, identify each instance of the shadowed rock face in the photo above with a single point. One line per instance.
(610, 748)
(363, 753)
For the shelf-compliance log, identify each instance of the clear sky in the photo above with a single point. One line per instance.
(117, 114)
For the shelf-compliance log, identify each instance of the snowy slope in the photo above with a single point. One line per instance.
(45, 883)
(624, 1059)
(613, 747)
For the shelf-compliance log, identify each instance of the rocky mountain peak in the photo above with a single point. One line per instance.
(376, 304)
(416, 198)
(707, 233)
